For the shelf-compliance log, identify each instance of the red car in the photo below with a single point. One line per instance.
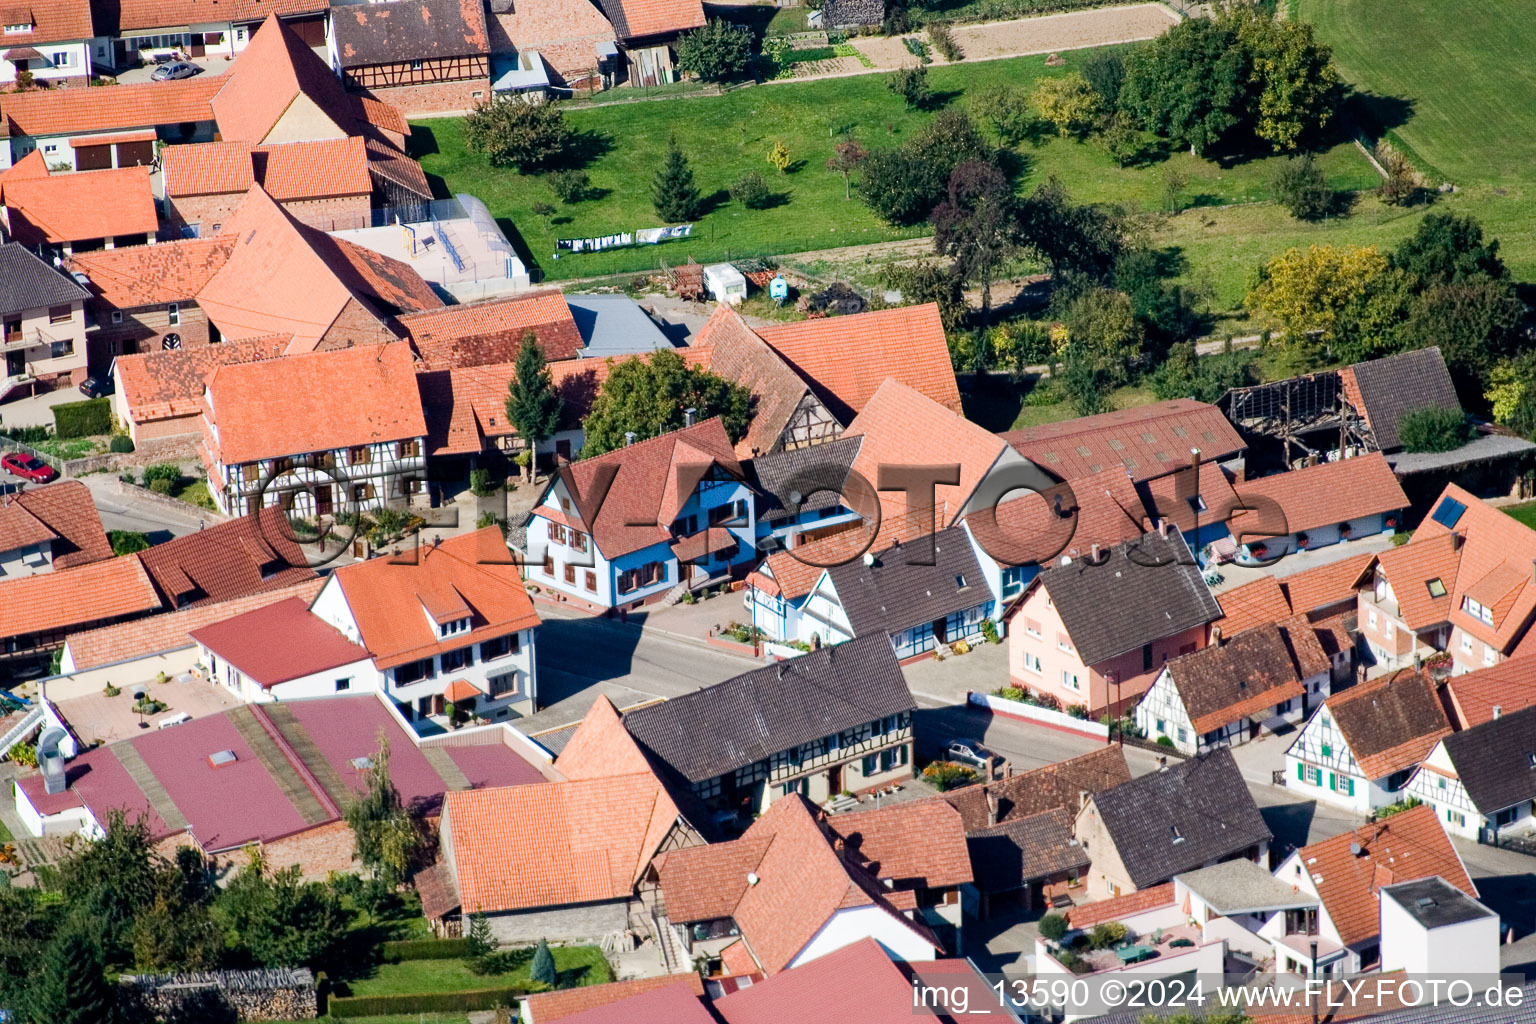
(28, 467)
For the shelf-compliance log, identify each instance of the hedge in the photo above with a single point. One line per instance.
(82, 419)
(424, 949)
(429, 1002)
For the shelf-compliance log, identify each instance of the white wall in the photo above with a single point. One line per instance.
(1469, 947)
(846, 927)
(122, 673)
(76, 62)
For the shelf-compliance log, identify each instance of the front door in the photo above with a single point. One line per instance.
(835, 780)
(15, 364)
(195, 46)
(323, 500)
(938, 632)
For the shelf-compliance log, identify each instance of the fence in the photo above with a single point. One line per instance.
(11, 444)
(442, 236)
(702, 248)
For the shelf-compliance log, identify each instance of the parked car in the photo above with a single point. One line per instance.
(28, 467)
(967, 752)
(95, 387)
(174, 70)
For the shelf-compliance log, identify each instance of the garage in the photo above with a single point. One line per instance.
(98, 152)
(136, 154)
(93, 158)
(310, 28)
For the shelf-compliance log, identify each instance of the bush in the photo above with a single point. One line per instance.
(1105, 935)
(429, 1002)
(947, 775)
(542, 970)
(1069, 103)
(167, 471)
(570, 186)
(480, 484)
(162, 486)
(1303, 190)
(1433, 429)
(1053, 926)
(1007, 108)
(82, 419)
(127, 477)
(511, 133)
(1164, 741)
(27, 435)
(423, 949)
(911, 84)
(943, 40)
(751, 191)
(917, 48)
(120, 443)
(485, 519)
(1009, 693)
(989, 630)
(1079, 711)
(718, 52)
(24, 754)
(126, 542)
(1181, 943)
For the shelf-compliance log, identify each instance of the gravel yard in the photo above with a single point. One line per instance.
(1048, 34)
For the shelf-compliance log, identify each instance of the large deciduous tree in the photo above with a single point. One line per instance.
(650, 396)
(718, 52)
(511, 133)
(389, 836)
(1189, 85)
(976, 225)
(1308, 289)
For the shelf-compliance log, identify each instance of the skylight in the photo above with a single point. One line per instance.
(1436, 587)
(1449, 513)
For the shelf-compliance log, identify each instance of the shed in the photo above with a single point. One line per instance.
(725, 283)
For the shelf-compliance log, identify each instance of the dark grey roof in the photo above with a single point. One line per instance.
(27, 282)
(816, 472)
(757, 714)
(614, 325)
(1396, 385)
(1144, 590)
(1486, 447)
(1435, 903)
(1496, 760)
(1182, 817)
(372, 33)
(898, 591)
(1006, 856)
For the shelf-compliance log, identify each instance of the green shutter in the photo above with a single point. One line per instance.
(1333, 782)
(1327, 750)
(1301, 772)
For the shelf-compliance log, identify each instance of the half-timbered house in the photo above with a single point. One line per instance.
(1482, 781)
(422, 56)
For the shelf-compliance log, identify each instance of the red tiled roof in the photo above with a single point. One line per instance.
(564, 32)
(483, 333)
(84, 205)
(676, 1003)
(147, 275)
(1325, 585)
(56, 601)
(273, 72)
(637, 19)
(1497, 554)
(1026, 527)
(1410, 569)
(314, 170)
(1305, 641)
(1321, 495)
(846, 359)
(472, 572)
(208, 168)
(1252, 604)
(729, 348)
(241, 556)
(601, 746)
(20, 528)
(1509, 686)
(1215, 491)
(1243, 675)
(1129, 905)
(1407, 846)
(1058, 785)
(279, 642)
(171, 631)
(1149, 440)
(1391, 722)
(109, 108)
(549, 1007)
(68, 512)
(167, 383)
(315, 402)
(50, 21)
(149, 14)
(145, 135)
(387, 161)
(919, 844)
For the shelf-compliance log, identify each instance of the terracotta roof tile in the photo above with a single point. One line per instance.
(1149, 440)
(208, 168)
(1247, 672)
(919, 844)
(409, 30)
(1411, 568)
(313, 170)
(51, 21)
(1034, 792)
(1407, 846)
(549, 1007)
(472, 570)
(846, 359)
(84, 205)
(268, 76)
(167, 383)
(1495, 548)
(1006, 856)
(484, 333)
(381, 115)
(564, 32)
(109, 108)
(1509, 686)
(601, 746)
(67, 512)
(171, 631)
(1391, 722)
(1325, 585)
(147, 275)
(230, 559)
(637, 19)
(1252, 604)
(1322, 495)
(315, 402)
(20, 528)
(56, 601)
(147, 14)
(1129, 905)
(1212, 487)
(736, 353)
(1305, 642)
(386, 161)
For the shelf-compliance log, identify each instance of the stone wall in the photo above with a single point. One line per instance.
(436, 97)
(581, 922)
(272, 994)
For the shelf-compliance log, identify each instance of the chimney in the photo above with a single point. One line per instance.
(629, 438)
(1498, 710)
(1096, 548)
(1455, 541)
(991, 768)
(690, 416)
(991, 807)
(1215, 636)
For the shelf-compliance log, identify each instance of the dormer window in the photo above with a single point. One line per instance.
(453, 627)
(12, 29)
(1479, 611)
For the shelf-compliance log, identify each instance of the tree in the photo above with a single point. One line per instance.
(845, 159)
(30, 923)
(1007, 108)
(1084, 381)
(1307, 289)
(751, 191)
(673, 192)
(1298, 88)
(109, 880)
(1473, 322)
(929, 281)
(1190, 84)
(511, 133)
(911, 84)
(1053, 926)
(542, 969)
(389, 836)
(718, 52)
(1510, 395)
(1101, 326)
(126, 542)
(1105, 71)
(71, 986)
(977, 226)
(1448, 247)
(175, 931)
(1303, 189)
(1434, 429)
(282, 921)
(649, 397)
(1400, 186)
(1069, 103)
(570, 186)
(1204, 378)
(778, 156)
(1174, 184)
(1077, 241)
(479, 942)
(533, 405)
(902, 186)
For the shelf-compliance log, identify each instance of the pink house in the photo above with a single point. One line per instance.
(1096, 630)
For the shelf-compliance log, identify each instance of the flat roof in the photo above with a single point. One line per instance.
(1435, 903)
(1242, 887)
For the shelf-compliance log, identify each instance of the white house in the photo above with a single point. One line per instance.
(51, 42)
(1360, 748)
(1312, 507)
(1431, 927)
(1481, 782)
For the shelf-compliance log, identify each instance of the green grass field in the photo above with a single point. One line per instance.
(1525, 513)
(1465, 68)
(584, 964)
(728, 136)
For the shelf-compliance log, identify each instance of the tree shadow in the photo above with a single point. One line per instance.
(753, 17)
(712, 202)
(559, 220)
(774, 200)
(518, 242)
(939, 100)
(586, 147)
(1150, 149)
(992, 402)
(1014, 164)
(421, 142)
(1383, 113)
(795, 167)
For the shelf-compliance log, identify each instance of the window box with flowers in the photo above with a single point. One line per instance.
(1257, 550)
(1345, 530)
(1391, 522)
(1303, 541)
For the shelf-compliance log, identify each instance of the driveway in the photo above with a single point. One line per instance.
(36, 411)
(210, 65)
(127, 512)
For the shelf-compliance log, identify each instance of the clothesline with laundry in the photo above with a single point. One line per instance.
(618, 240)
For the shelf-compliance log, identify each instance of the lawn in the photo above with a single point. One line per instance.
(730, 135)
(1463, 70)
(584, 964)
(1525, 513)
(997, 403)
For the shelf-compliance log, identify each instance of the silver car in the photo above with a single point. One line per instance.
(174, 70)
(967, 752)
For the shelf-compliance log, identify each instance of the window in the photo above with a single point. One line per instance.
(414, 671)
(578, 541)
(590, 583)
(453, 626)
(1032, 663)
(1064, 642)
(549, 565)
(1489, 655)
(570, 573)
(1466, 643)
(1013, 580)
(565, 503)
(871, 764)
(1455, 817)
(19, 27)
(63, 59)
(1327, 750)
(239, 35)
(1031, 627)
(504, 685)
(1146, 657)
(407, 449)
(1440, 782)
(416, 65)
(456, 659)
(707, 788)
(359, 456)
(1069, 680)
(343, 684)
(50, 147)
(1344, 784)
(60, 314)
(173, 313)
(498, 647)
(729, 512)
(1183, 734)
(362, 492)
(1477, 610)
(117, 316)
(557, 533)
(1371, 618)
(890, 759)
(60, 349)
(1436, 587)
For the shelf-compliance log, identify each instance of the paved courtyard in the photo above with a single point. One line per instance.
(97, 718)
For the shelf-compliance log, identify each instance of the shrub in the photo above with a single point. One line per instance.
(111, 691)
(778, 156)
(27, 435)
(570, 186)
(429, 1002)
(1079, 711)
(943, 40)
(423, 949)
(126, 542)
(1164, 741)
(511, 133)
(1105, 935)
(989, 630)
(127, 477)
(1053, 926)
(485, 519)
(1432, 429)
(82, 419)
(1048, 702)
(751, 191)
(1181, 943)
(167, 471)
(1397, 808)
(542, 970)
(162, 486)
(911, 84)
(718, 52)
(24, 754)
(947, 775)
(917, 48)
(1069, 103)
(673, 193)
(480, 484)
(120, 443)
(1303, 190)
(1009, 693)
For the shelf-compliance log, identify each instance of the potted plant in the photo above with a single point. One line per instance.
(1302, 541)
(1257, 550)
(1346, 530)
